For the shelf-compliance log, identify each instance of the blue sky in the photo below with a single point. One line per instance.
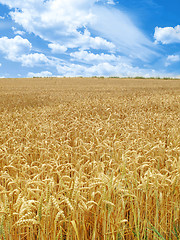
(89, 38)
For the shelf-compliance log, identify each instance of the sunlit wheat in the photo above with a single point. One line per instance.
(89, 159)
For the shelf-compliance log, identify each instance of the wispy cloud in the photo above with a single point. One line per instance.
(117, 27)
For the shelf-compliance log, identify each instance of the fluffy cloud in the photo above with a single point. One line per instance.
(91, 57)
(104, 69)
(66, 22)
(17, 32)
(111, 2)
(41, 74)
(33, 59)
(1, 17)
(172, 59)
(14, 47)
(79, 30)
(85, 41)
(17, 49)
(51, 19)
(167, 35)
(57, 48)
(59, 21)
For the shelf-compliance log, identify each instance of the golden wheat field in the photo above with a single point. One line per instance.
(89, 159)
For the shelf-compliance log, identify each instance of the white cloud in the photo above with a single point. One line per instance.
(33, 59)
(91, 57)
(41, 74)
(104, 69)
(85, 41)
(172, 59)
(17, 49)
(17, 32)
(1, 17)
(118, 28)
(14, 47)
(57, 48)
(51, 19)
(79, 29)
(61, 22)
(111, 2)
(0, 64)
(167, 35)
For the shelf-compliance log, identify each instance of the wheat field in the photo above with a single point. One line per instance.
(89, 159)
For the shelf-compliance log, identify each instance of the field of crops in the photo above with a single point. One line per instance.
(89, 159)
